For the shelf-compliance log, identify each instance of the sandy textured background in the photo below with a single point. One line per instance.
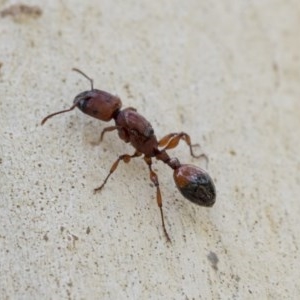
(226, 73)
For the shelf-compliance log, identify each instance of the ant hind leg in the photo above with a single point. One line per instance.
(154, 179)
(172, 140)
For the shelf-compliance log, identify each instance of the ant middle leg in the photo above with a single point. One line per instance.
(126, 158)
(171, 141)
(154, 179)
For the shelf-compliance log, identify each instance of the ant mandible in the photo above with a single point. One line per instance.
(194, 183)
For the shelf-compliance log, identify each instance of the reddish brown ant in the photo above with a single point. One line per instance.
(194, 183)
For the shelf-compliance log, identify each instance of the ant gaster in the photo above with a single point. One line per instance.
(194, 183)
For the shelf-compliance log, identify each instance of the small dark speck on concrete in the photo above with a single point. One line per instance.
(88, 230)
(127, 89)
(213, 258)
(182, 118)
(18, 10)
(232, 152)
(45, 237)
(74, 237)
(62, 228)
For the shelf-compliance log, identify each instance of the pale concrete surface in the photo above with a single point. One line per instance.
(228, 74)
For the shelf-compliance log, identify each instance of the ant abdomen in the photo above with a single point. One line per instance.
(195, 184)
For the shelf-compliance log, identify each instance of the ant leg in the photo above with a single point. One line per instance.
(126, 158)
(154, 179)
(171, 141)
(106, 129)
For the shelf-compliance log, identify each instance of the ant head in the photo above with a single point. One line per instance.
(195, 184)
(98, 104)
(95, 103)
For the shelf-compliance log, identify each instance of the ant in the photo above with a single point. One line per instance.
(194, 183)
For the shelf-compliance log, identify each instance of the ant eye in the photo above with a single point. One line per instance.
(149, 132)
(82, 101)
(195, 184)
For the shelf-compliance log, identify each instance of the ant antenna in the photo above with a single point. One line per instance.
(87, 77)
(75, 103)
(59, 112)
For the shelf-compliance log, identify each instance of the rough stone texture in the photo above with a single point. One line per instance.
(226, 72)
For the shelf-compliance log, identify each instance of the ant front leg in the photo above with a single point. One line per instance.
(172, 140)
(126, 158)
(154, 179)
(106, 129)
